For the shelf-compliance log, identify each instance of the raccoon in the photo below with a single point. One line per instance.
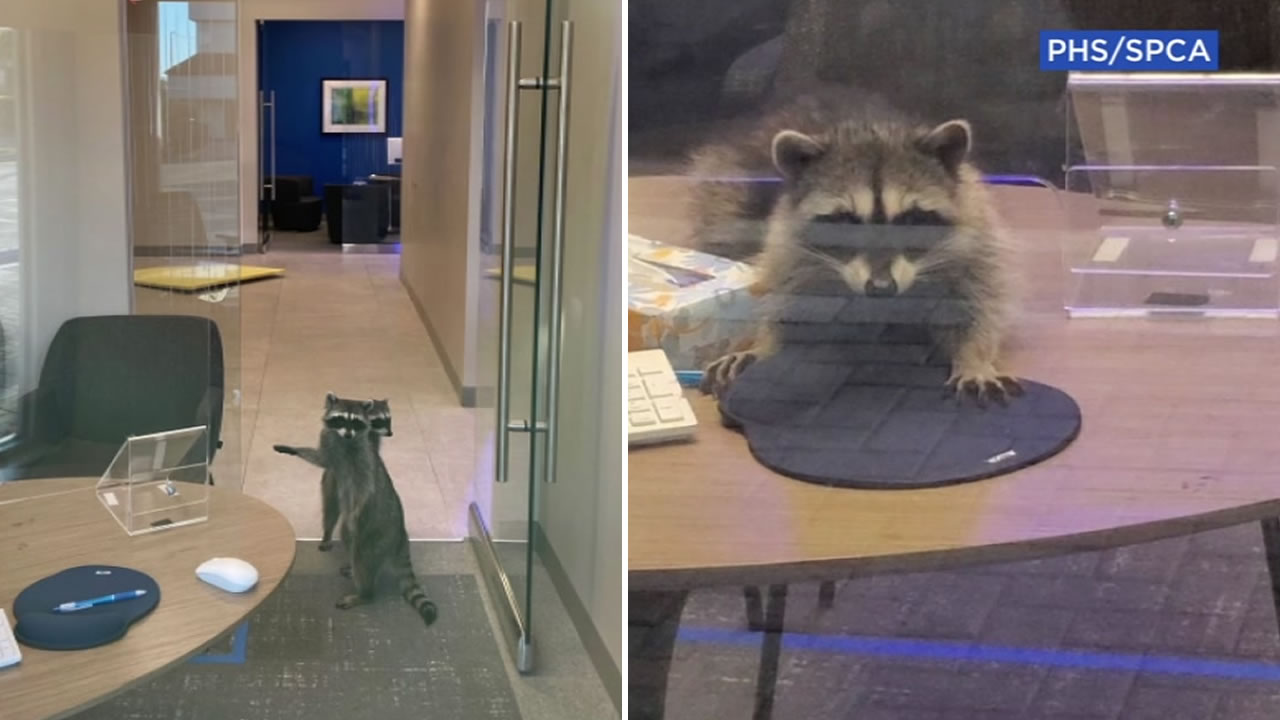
(870, 204)
(380, 418)
(379, 415)
(372, 517)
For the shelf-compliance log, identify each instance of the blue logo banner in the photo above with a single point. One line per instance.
(1129, 50)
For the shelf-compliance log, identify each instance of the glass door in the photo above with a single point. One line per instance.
(522, 206)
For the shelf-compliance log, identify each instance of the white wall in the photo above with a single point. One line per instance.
(71, 167)
(443, 131)
(250, 12)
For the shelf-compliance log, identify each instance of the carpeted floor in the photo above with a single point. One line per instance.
(303, 658)
(1180, 629)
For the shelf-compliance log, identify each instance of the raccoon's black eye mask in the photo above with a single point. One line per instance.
(339, 422)
(844, 233)
(913, 216)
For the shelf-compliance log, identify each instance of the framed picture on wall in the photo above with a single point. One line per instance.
(354, 106)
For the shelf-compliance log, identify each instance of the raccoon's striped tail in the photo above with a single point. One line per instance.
(416, 596)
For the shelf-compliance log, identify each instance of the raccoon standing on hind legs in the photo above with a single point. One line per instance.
(369, 513)
(378, 413)
(870, 206)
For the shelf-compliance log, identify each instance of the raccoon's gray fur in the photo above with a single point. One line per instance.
(869, 204)
(379, 416)
(372, 517)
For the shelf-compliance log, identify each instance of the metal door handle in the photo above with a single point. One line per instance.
(273, 146)
(262, 150)
(266, 190)
(557, 253)
(508, 255)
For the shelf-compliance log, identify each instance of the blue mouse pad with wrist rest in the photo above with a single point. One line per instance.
(37, 626)
(874, 412)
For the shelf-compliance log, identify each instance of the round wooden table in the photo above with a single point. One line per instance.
(51, 525)
(1179, 436)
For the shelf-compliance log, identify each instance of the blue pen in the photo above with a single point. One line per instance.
(689, 378)
(105, 599)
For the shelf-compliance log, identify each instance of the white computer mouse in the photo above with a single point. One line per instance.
(226, 573)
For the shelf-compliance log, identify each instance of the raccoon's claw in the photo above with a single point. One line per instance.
(984, 386)
(720, 373)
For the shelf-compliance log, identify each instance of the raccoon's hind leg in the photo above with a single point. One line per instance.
(345, 533)
(329, 496)
(364, 572)
(973, 367)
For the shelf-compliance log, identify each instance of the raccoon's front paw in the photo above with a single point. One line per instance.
(349, 601)
(721, 373)
(983, 383)
(284, 449)
(325, 546)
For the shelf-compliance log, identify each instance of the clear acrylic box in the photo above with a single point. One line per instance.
(1175, 210)
(1151, 240)
(159, 481)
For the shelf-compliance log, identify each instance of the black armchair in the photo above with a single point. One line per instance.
(295, 207)
(108, 377)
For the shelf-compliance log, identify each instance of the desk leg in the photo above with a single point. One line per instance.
(827, 595)
(653, 620)
(770, 651)
(755, 608)
(1271, 542)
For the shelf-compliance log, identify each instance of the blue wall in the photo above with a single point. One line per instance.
(294, 57)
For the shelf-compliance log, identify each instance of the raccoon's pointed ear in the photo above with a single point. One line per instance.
(330, 400)
(949, 142)
(794, 151)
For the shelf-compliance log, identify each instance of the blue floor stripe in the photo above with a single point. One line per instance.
(236, 657)
(939, 650)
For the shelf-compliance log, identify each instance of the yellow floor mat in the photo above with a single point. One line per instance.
(193, 278)
(525, 274)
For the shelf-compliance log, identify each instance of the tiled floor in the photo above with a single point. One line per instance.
(1054, 639)
(344, 323)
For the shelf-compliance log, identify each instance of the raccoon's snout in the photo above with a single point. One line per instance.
(884, 286)
(878, 277)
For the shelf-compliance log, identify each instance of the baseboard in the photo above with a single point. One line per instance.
(606, 668)
(220, 251)
(467, 394)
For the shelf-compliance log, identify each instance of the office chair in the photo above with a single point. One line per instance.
(108, 377)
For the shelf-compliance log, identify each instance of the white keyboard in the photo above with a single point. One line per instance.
(656, 408)
(9, 652)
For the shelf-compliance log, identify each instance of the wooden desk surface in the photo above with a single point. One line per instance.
(57, 524)
(1181, 433)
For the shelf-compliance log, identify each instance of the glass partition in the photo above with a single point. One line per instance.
(185, 183)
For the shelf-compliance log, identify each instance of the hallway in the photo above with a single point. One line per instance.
(299, 341)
